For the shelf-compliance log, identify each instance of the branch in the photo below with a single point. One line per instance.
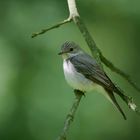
(118, 71)
(52, 27)
(88, 38)
(71, 114)
(73, 12)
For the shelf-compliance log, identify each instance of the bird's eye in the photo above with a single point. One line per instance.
(71, 49)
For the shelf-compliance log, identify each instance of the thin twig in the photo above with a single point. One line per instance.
(71, 114)
(52, 27)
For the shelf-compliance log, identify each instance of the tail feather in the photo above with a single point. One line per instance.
(114, 101)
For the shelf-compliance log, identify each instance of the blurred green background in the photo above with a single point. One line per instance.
(34, 97)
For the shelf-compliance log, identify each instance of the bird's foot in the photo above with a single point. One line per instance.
(79, 92)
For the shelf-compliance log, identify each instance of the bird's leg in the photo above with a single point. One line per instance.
(76, 91)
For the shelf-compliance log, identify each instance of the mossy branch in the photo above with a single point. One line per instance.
(52, 27)
(71, 114)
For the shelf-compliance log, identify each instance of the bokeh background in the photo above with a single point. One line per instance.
(34, 97)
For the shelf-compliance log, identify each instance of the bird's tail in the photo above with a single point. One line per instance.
(128, 100)
(114, 101)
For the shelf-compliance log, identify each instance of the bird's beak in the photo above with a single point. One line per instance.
(60, 53)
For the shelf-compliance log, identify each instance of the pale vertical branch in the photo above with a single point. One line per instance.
(73, 12)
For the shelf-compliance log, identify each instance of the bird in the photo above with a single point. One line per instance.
(82, 72)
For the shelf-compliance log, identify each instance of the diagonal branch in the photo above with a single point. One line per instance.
(118, 71)
(88, 38)
(52, 27)
(71, 114)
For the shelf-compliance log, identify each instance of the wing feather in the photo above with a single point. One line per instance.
(86, 65)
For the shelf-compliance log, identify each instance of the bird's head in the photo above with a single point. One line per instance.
(70, 49)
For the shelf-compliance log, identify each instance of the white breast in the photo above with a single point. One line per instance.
(75, 79)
